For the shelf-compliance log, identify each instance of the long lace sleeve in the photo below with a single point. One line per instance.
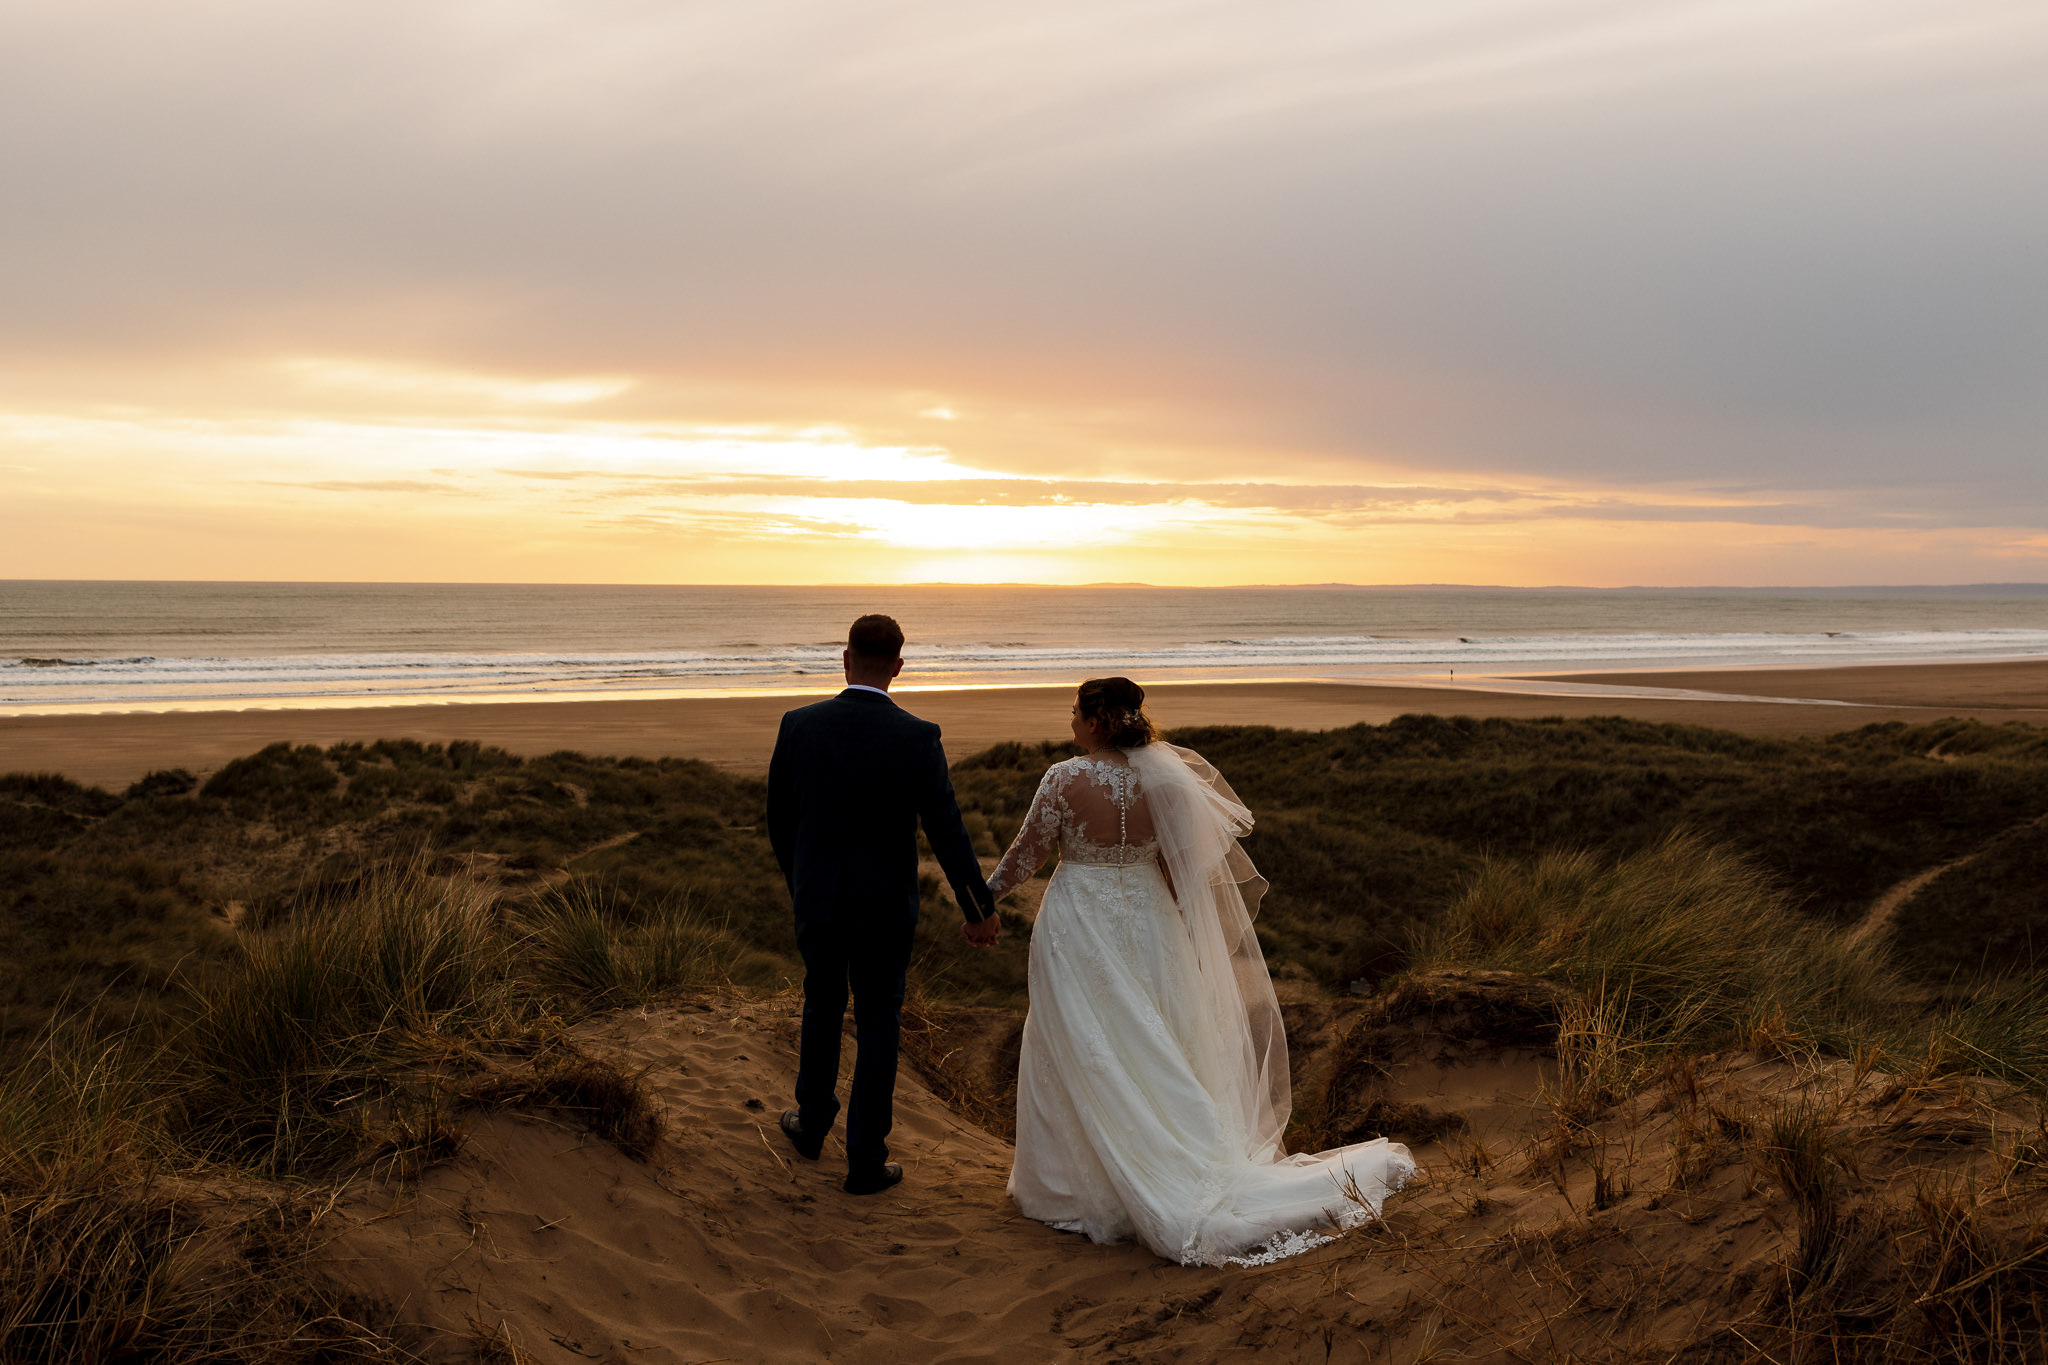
(1035, 840)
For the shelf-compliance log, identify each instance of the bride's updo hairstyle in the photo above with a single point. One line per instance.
(1119, 704)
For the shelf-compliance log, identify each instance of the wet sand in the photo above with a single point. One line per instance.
(738, 732)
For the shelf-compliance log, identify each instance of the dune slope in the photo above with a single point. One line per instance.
(727, 1245)
(1672, 1222)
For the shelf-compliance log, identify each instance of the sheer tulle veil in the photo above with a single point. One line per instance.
(1199, 822)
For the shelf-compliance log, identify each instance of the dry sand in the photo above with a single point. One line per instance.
(727, 1246)
(738, 732)
(1974, 688)
(1623, 1241)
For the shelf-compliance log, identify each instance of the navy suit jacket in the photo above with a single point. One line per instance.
(850, 781)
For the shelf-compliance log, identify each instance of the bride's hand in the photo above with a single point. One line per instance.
(983, 933)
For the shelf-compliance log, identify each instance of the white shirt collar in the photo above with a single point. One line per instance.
(863, 687)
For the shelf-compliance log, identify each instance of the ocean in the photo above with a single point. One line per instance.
(84, 646)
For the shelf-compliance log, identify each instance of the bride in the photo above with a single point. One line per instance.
(1153, 1085)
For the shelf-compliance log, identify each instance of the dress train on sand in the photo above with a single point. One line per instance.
(1152, 1088)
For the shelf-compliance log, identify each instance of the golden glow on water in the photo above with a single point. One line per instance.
(1471, 681)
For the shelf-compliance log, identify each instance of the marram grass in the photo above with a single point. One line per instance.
(317, 1017)
(588, 938)
(1688, 946)
(352, 1033)
(326, 1023)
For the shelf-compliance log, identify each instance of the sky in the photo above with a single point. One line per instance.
(1597, 292)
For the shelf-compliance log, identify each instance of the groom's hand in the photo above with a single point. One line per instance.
(983, 933)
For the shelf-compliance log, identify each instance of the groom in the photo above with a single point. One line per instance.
(849, 782)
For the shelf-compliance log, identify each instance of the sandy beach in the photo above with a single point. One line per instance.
(738, 732)
(2018, 685)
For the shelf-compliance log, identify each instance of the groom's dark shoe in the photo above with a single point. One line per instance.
(807, 1146)
(875, 1179)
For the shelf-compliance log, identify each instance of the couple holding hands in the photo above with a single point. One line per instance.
(1152, 1088)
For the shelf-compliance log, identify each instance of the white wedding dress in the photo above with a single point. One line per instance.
(1153, 1088)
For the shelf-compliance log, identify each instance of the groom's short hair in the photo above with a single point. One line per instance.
(876, 637)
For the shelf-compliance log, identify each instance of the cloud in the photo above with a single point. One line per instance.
(437, 385)
(377, 486)
(1354, 505)
(737, 526)
(1317, 259)
(1019, 492)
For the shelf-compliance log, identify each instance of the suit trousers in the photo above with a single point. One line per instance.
(870, 962)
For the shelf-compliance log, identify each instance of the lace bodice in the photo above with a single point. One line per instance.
(1092, 809)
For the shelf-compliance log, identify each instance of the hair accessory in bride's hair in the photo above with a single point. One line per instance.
(1118, 706)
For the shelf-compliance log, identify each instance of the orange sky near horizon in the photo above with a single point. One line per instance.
(533, 498)
(1518, 292)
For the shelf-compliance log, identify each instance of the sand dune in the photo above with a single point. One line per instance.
(1524, 1240)
(728, 1245)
